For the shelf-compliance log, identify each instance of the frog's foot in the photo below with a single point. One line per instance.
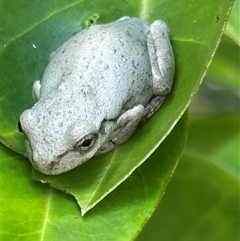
(152, 106)
(161, 57)
(126, 125)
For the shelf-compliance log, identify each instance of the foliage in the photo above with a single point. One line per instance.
(202, 199)
(120, 190)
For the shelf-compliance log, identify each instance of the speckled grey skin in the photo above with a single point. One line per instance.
(95, 90)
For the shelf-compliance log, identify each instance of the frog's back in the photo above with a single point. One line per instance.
(110, 60)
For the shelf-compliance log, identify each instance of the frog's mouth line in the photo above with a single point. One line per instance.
(63, 154)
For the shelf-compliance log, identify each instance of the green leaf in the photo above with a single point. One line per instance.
(225, 65)
(25, 52)
(28, 42)
(201, 203)
(223, 135)
(92, 181)
(32, 211)
(202, 199)
(233, 27)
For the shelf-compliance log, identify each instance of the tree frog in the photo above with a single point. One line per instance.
(95, 90)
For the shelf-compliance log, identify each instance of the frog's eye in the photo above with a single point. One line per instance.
(86, 143)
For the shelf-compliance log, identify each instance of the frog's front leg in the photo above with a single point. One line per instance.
(126, 125)
(36, 91)
(162, 62)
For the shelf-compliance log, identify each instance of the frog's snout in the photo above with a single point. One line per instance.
(44, 164)
(27, 121)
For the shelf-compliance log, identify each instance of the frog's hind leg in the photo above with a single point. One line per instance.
(161, 57)
(163, 65)
(152, 106)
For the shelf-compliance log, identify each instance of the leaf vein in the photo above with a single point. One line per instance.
(46, 218)
(101, 180)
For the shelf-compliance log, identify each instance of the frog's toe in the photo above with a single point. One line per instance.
(152, 106)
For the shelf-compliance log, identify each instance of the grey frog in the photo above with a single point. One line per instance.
(95, 90)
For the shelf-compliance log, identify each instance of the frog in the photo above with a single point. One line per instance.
(96, 89)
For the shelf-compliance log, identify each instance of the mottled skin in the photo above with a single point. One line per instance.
(95, 90)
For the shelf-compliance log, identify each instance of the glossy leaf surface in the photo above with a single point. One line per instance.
(27, 45)
(32, 211)
(201, 203)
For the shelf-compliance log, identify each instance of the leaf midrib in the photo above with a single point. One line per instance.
(46, 217)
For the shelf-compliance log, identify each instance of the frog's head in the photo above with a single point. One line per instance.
(58, 141)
